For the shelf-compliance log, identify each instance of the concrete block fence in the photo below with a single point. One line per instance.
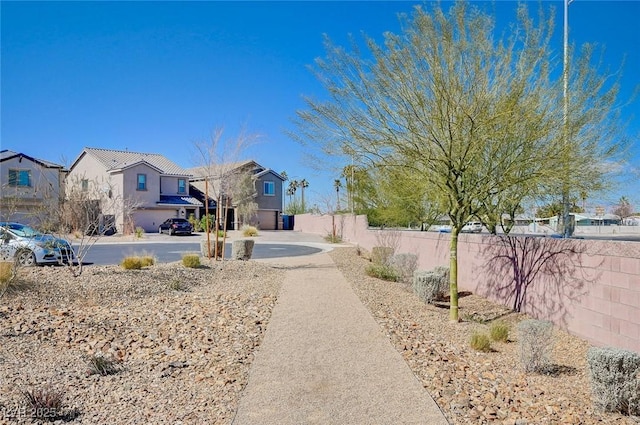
(590, 288)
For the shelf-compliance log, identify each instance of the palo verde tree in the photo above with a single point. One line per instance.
(473, 114)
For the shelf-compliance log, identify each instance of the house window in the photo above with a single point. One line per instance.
(142, 182)
(84, 183)
(19, 177)
(269, 188)
(182, 186)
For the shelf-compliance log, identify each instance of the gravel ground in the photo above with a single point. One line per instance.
(472, 387)
(183, 339)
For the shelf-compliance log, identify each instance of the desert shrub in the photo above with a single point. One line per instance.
(331, 238)
(535, 343)
(382, 271)
(431, 285)
(191, 260)
(405, 265)
(381, 254)
(211, 247)
(147, 260)
(100, 365)
(177, 285)
(8, 271)
(499, 331)
(139, 232)
(44, 403)
(131, 263)
(248, 231)
(615, 379)
(480, 342)
(195, 223)
(242, 249)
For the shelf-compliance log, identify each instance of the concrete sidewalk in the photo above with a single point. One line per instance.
(324, 359)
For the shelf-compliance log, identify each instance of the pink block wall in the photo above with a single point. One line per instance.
(590, 288)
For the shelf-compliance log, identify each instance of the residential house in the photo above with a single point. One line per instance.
(136, 189)
(223, 183)
(31, 189)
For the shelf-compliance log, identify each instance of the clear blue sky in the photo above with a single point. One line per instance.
(159, 76)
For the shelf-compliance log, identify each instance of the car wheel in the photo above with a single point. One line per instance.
(26, 258)
(160, 230)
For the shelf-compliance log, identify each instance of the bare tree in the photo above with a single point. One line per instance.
(623, 209)
(90, 210)
(217, 164)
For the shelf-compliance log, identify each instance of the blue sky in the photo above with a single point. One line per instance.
(161, 76)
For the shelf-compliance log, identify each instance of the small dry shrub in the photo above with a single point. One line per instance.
(615, 379)
(177, 285)
(381, 254)
(191, 260)
(431, 285)
(131, 263)
(405, 265)
(139, 232)
(249, 231)
(147, 260)
(535, 344)
(480, 342)
(382, 271)
(499, 331)
(100, 365)
(7, 271)
(44, 403)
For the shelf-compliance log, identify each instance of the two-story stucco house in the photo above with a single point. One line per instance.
(30, 189)
(138, 189)
(267, 192)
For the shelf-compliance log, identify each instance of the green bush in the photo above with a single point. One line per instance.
(480, 342)
(249, 231)
(131, 263)
(382, 271)
(499, 331)
(191, 260)
(615, 379)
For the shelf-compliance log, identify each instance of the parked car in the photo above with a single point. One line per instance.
(472, 227)
(174, 226)
(29, 247)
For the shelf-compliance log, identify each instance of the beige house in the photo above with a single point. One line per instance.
(135, 189)
(30, 188)
(223, 183)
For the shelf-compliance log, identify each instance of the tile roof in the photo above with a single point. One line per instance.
(179, 200)
(115, 160)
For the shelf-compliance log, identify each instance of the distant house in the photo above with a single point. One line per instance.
(31, 188)
(221, 181)
(143, 189)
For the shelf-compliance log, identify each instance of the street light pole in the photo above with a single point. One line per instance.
(566, 215)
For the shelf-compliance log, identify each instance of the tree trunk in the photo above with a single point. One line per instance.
(453, 276)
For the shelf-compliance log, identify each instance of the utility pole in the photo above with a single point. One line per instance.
(566, 213)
